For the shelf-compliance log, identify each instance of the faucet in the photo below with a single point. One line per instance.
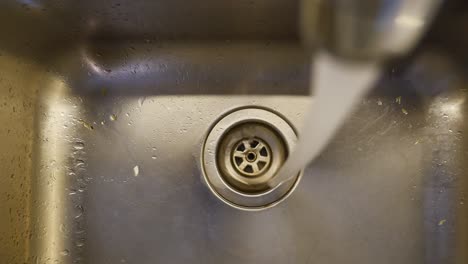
(348, 41)
(365, 30)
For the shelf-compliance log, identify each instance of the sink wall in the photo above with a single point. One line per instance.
(17, 111)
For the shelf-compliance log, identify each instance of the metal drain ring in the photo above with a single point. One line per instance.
(239, 190)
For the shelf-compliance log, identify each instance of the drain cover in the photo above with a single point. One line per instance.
(251, 156)
(242, 153)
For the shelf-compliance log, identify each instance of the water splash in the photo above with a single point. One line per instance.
(338, 85)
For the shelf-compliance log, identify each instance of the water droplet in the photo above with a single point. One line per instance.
(154, 157)
(79, 243)
(136, 171)
(86, 124)
(398, 100)
(79, 163)
(79, 211)
(78, 145)
(65, 252)
(113, 117)
(141, 101)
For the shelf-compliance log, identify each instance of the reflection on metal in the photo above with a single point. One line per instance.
(410, 22)
(50, 177)
(452, 109)
(121, 72)
(445, 119)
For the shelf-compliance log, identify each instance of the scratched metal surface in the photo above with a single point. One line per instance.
(104, 107)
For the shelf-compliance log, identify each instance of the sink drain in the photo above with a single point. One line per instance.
(242, 153)
(251, 156)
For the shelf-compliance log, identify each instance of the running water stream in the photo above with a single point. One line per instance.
(336, 86)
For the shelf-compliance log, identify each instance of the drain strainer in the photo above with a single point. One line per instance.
(251, 157)
(242, 153)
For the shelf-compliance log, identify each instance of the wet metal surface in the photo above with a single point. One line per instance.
(108, 111)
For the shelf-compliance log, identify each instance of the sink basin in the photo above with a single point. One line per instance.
(105, 107)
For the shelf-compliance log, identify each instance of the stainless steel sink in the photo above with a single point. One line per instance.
(105, 107)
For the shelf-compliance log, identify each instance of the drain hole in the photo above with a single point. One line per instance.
(251, 156)
(248, 169)
(241, 147)
(238, 160)
(253, 143)
(263, 152)
(261, 165)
